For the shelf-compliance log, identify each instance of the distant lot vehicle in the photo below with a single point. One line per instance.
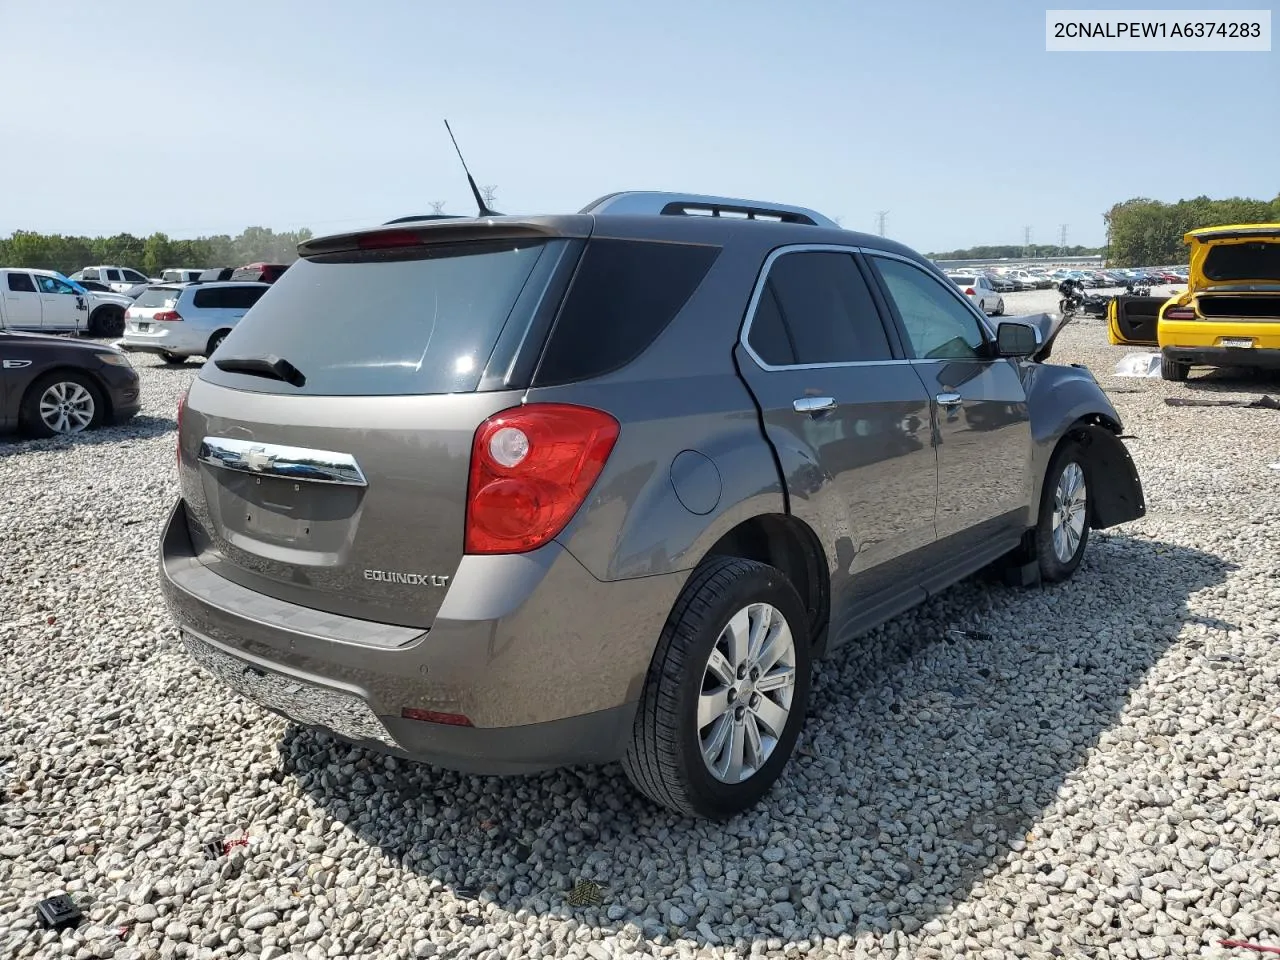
(178, 321)
(180, 274)
(980, 292)
(260, 272)
(119, 279)
(53, 385)
(1229, 315)
(214, 274)
(46, 301)
(439, 496)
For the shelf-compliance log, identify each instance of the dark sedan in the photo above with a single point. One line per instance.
(55, 385)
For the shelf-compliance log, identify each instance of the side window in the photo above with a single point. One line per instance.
(61, 286)
(937, 324)
(134, 276)
(90, 274)
(21, 283)
(47, 284)
(113, 276)
(228, 298)
(816, 308)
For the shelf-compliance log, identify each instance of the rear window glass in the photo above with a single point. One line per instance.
(157, 297)
(624, 294)
(965, 281)
(228, 298)
(383, 323)
(1243, 261)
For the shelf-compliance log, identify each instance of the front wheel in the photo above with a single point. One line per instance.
(62, 403)
(726, 693)
(1062, 531)
(1000, 307)
(172, 359)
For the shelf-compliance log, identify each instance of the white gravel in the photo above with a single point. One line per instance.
(1093, 771)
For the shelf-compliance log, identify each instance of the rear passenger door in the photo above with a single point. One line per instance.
(849, 421)
(981, 424)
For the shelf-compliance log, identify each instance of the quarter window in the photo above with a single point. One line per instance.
(815, 307)
(113, 276)
(21, 283)
(937, 324)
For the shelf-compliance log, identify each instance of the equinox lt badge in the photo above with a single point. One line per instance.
(419, 579)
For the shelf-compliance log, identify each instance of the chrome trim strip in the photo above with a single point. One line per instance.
(274, 460)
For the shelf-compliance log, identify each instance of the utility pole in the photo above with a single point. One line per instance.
(880, 215)
(488, 192)
(437, 206)
(1062, 240)
(1026, 241)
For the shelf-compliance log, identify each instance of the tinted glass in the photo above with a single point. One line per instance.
(938, 325)
(53, 285)
(134, 276)
(90, 275)
(157, 297)
(769, 336)
(228, 298)
(21, 283)
(385, 322)
(113, 276)
(825, 308)
(965, 281)
(1243, 261)
(624, 294)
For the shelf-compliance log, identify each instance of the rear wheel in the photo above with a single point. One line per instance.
(106, 322)
(1000, 307)
(982, 305)
(1062, 531)
(172, 358)
(1174, 370)
(726, 693)
(62, 402)
(215, 341)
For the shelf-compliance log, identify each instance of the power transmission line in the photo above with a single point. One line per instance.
(880, 217)
(1026, 241)
(437, 206)
(488, 193)
(1062, 240)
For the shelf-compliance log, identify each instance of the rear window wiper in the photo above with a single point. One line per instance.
(275, 368)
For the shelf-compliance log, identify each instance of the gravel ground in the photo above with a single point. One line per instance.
(1090, 770)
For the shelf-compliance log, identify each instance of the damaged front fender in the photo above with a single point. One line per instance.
(1115, 489)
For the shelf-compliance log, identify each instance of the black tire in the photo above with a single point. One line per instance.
(107, 322)
(664, 759)
(29, 412)
(1053, 568)
(214, 341)
(1174, 370)
(999, 312)
(982, 305)
(172, 358)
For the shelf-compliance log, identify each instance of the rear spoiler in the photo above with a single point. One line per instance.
(460, 230)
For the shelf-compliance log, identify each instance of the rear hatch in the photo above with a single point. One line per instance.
(343, 487)
(1235, 272)
(158, 301)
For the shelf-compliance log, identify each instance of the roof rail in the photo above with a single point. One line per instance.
(642, 202)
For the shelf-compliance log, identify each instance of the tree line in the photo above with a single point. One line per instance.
(1144, 233)
(26, 248)
(1015, 251)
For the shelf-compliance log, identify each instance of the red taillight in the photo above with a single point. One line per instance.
(968, 292)
(166, 315)
(182, 406)
(435, 716)
(388, 238)
(1180, 313)
(531, 469)
(128, 314)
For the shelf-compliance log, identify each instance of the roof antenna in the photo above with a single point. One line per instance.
(475, 191)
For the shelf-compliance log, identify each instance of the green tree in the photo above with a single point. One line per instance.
(157, 254)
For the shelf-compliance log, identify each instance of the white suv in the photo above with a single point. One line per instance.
(181, 320)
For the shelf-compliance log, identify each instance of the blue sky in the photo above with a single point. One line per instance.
(196, 119)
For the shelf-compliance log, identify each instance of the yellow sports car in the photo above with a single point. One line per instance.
(1229, 315)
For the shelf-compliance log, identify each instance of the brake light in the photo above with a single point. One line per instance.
(435, 716)
(968, 291)
(182, 406)
(166, 315)
(388, 238)
(531, 469)
(1180, 313)
(128, 314)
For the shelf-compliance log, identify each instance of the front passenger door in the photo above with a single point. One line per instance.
(981, 425)
(63, 308)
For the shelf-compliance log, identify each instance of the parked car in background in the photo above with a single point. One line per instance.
(45, 301)
(178, 321)
(180, 274)
(1229, 315)
(119, 279)
(980, 292)
(998, 283)
(500, 542)
(53, 385)
(214, 274)
(260, 272)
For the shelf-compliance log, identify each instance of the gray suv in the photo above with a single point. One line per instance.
(506, 494)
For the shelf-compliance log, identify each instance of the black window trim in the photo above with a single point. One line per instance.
(35, 287)
(896, 347)
(984, 324)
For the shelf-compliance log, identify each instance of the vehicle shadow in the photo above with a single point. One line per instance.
(139, 427)
(970, 728)
(1234, 380)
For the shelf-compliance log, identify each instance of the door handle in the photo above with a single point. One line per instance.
(813, 404)
(949, 399)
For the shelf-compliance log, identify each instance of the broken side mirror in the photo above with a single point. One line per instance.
(1016, 339)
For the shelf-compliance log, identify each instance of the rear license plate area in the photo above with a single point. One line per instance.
(1239, 343)
(306, 703)
(144, 327)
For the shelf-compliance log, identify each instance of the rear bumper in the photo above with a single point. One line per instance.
(171, 339)
(545, 661)
(1265, 359)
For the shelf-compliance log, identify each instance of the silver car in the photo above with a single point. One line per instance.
(181, 320)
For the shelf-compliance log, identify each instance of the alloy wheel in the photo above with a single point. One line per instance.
(1070, 502)
(748, 686)
(67, 407)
